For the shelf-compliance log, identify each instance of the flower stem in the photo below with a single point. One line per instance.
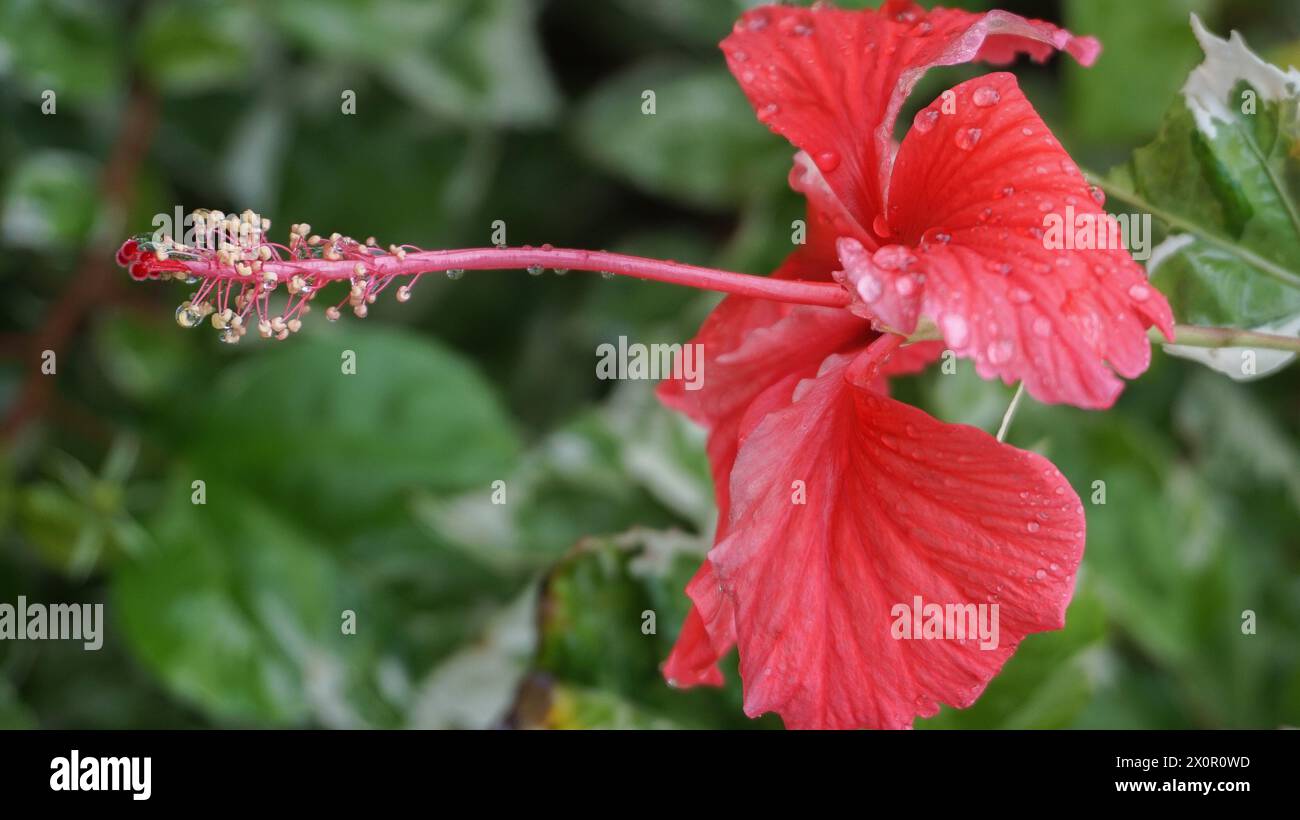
(1194, 336)
(824, 294)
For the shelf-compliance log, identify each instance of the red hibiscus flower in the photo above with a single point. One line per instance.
(837, 503)
(847, 519)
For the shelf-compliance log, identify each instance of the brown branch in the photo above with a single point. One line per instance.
(94, 279)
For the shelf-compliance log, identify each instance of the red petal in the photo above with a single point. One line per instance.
(971, 197)
(755, 352)
(750, 345)
(899, 505)
(708, 634)
(832, 82)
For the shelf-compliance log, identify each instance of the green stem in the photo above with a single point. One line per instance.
(1194, 336)
(1246, 255)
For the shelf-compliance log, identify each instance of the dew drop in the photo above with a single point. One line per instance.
(955, 330)
(1040, 574)
(892, 257)
(1033, 526)
(1139, 293)
(455, 273)
(905, 285)
(827, 161)
(1021, 296)
(968, 138)
(880, 226)
(607, 274)
(561, 271)
(869, 288)
(187, 316)
(1098, 195)
(925, 120)
(999, 352)
(535, 270)
(985, 96)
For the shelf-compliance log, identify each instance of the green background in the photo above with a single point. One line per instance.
(372, 492)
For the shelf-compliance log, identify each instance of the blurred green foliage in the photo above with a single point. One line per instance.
(371, 494)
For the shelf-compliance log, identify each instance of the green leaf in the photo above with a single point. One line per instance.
(610, 614)
(573, 707)
(414, 416)
(49, 201)
(702, 144)
(143, 357)
(239, 612)
(473, 61)
(197, 47)
(626, 464)
(71, 47)
(1147, 51)
(1226, 165)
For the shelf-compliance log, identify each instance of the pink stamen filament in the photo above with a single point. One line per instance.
(824, 294)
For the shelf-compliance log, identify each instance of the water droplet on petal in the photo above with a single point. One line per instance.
(999, 352)
(607, 274)
(827, 161)
(1139, 293)
(535, 270)
(985, 96)
(892, 257)
(869, 288)
(1021, 296)
(1032, 526)
(925, 120)
(1042, 327)
(880, 226)
(955, 330)
(1098, 195)
(968, 138)
(455, 273)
